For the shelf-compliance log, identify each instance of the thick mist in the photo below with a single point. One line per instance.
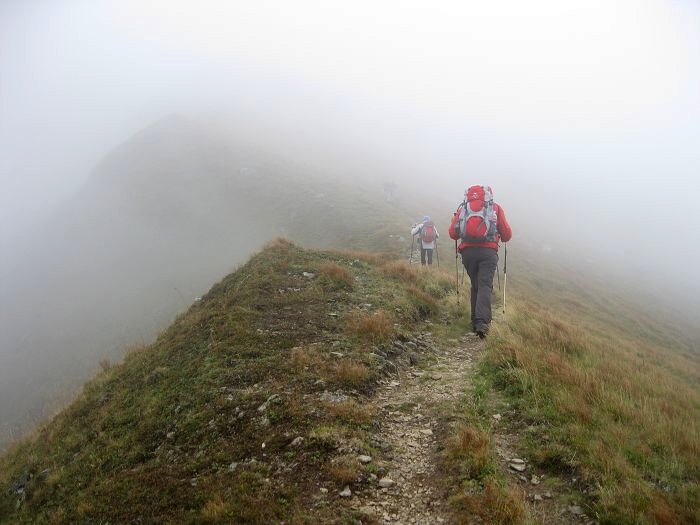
(584, 118)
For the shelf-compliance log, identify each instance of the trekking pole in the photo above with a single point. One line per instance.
(505, 276)
(457, 270)
(437, 253)
(410, 257)
(498, 275)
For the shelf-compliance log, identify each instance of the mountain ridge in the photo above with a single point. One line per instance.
(202, 425)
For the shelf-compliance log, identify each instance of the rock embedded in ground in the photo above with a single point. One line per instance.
(274, 398)
(518, 467)
(364, 459)
(297, 441)
(575, 510)
(385, 483)
(345, 493)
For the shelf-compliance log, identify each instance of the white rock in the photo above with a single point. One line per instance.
(297, 441)
(517, 461)
(364, 459)
(346, 492)
(518, 466)
(385, 483)
(497, 417)
(426, 431)
(323, 490)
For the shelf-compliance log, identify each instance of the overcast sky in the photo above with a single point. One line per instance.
(598, 99)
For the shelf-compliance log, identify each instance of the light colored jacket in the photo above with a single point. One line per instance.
(425, 245)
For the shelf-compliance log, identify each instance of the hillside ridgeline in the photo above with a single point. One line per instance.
(258, 403)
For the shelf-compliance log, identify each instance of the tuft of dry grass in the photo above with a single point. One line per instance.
(401, 271)
(338, 275)
(376, 327)
(215, 509)
(303, 358)
(277, 244)
(344, 470)
(351, 374)
(496, 503)
(352, 412)
(469, 451)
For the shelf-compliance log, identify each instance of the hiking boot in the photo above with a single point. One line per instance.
(481, 331)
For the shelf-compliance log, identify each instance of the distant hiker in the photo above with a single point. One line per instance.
(427, 237)
(479, 224)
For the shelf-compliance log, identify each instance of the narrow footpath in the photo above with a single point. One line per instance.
(408, 407)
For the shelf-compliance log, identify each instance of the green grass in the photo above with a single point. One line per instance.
(594, 391)
(604, 406)
(153, 438)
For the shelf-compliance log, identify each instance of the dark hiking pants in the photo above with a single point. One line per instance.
(481, 264)
(426, 253)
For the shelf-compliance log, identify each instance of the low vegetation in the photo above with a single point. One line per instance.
(615, 413)
(264, 392)
(200, 426)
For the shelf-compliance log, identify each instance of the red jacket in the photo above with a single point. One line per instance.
(504, 232)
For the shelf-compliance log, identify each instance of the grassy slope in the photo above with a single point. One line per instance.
(152, 439)
(594, 389)
(599, 392)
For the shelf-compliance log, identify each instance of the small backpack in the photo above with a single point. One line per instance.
(477, 217)
(427, 232)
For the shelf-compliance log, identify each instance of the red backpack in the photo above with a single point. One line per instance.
(477, 218)
(427, 232)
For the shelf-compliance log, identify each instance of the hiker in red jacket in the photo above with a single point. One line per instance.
(479, 224)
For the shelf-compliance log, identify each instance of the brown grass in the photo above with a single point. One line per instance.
(278, 243)
(468, 449)
(622, 409)
(340, 276)
(497, 503)
(401, 271)
(352, 412)
(376, 327)
(351, 374)
(215, 509)
(344, 470)
(303, 358)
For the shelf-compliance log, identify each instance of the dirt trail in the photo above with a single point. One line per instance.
(408, 406)
(408, 409)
